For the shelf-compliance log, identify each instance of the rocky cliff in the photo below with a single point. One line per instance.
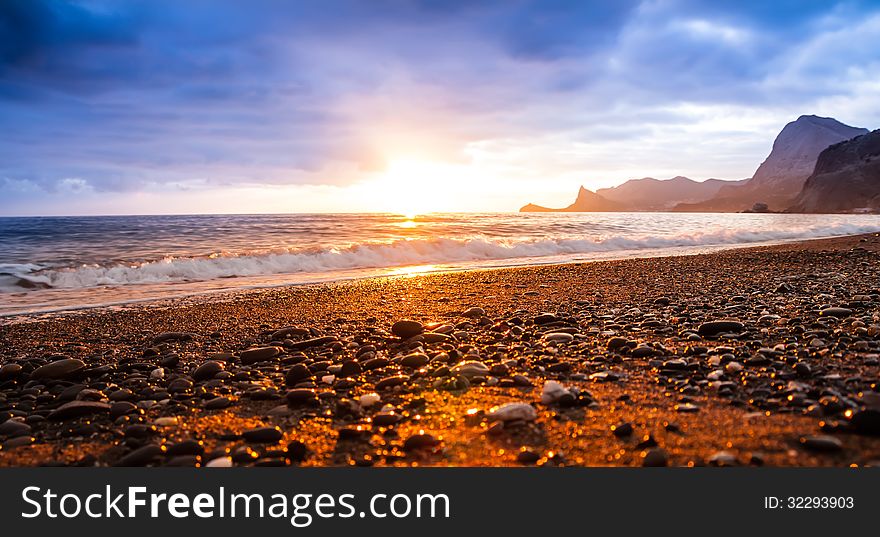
(846, 178)
(780, 178)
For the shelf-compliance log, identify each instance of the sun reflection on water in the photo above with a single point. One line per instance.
(413, 270)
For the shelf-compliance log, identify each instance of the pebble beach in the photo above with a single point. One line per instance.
(766, 356)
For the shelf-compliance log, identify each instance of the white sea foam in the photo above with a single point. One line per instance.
(389, 254)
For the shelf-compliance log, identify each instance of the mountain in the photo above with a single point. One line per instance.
(646, 194)
(649, 194)
(780, 178)
(587, 202)
(846, 178)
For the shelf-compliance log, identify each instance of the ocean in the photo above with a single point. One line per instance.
(54, 263)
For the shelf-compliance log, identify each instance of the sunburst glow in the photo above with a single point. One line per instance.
(411, 187)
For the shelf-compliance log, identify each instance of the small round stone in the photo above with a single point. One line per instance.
(822, 443)
(263, 435)
(207, 370)
(218, 403)
(415, 360)
(301, 396)
(406, 328)
(296, 374)
(527, 456)
(58, 369)
(713, 328)
(259, 354)
(419, 441)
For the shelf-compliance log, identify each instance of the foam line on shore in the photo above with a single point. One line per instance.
(383, 255)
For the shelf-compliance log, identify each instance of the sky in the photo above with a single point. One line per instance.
(162, 106)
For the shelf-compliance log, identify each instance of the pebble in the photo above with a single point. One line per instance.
(419, 441)
(262, 435)
(474, 313)
(58, 369)
(522, 380)
(616, 343)
(435, 337)
(513, 411)
(168, 421)
(121, 408)
(185, 447)
(655, 457)
(207, 370)
(350, 369)
(387, 417)
(369, 399)
(821, 443)
(733, 367)
(301, 396)
(527, 456)
(415, 360)
(470, 369)
(558, 337)
(16, 442)
(182, 461)
(180, 385)
(14, 428)
(544, 318)
(139, 430)
(75, 409)
(296, 374)
(9, 371)
(392, 381)
(218, 403)
(259, 354)
(374, 363)
(552, 392)
(287, 332)
(713, 328)
(220, 462)
(836, 312)
(723, 458)
(169, 361)
(406, 328)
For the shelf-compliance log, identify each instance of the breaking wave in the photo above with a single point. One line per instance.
(403, 252)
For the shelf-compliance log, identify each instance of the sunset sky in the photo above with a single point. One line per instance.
(406, 106)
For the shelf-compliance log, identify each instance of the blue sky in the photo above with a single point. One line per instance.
(404, 105)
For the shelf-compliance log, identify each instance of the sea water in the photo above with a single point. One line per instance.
(51, 263)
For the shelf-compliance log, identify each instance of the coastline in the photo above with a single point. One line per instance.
(184, 298)
(680, 414)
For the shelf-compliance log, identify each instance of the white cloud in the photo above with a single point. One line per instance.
(712, 31)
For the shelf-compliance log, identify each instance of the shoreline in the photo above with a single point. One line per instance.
(183, 298)
(640, 382)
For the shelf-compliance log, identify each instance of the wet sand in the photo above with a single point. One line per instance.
(603, 363)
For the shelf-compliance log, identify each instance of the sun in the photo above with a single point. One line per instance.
(412, 187)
